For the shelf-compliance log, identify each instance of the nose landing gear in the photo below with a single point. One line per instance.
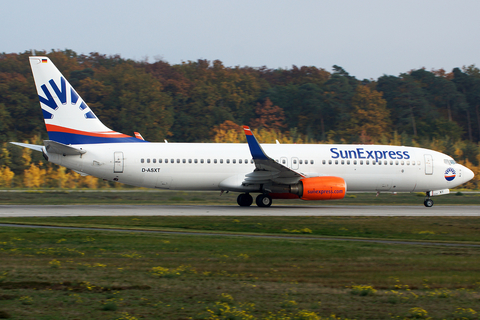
(428, 202)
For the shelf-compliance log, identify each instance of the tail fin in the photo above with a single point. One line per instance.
(67, 117)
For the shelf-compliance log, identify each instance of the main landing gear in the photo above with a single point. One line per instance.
(244, 200)
(262, 200)
(428, 202)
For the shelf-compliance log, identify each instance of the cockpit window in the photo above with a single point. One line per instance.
(452, 162)
(449, 162)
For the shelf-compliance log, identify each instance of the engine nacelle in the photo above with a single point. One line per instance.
(320, 188)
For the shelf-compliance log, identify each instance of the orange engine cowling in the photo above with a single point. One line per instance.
(322, 188)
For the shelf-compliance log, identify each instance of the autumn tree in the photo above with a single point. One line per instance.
(268, 116)
(370, 117)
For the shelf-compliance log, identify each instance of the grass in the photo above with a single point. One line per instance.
(79, 274)
(450, 229)
(152, 197)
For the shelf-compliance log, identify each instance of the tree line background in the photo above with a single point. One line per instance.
(204, 101)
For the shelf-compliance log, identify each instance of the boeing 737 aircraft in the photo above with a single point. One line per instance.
(80, 141)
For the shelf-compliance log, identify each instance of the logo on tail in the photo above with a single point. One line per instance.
(67, 117)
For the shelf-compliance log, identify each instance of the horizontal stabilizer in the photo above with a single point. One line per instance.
(35, 147)
(60, 148)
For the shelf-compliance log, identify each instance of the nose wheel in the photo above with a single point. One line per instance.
(428, 203)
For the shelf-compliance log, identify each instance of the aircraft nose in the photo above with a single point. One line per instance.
(467, 174)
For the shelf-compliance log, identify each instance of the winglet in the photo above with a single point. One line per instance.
(138, 135)
(255, 148)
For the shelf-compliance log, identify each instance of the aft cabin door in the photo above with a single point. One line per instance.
(118, 162)
(428, 164)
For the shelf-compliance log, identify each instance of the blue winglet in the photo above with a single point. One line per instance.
(255, 148)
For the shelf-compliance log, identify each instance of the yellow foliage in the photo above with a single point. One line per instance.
(6, 177)
(89, 182)
(33, 177)
(27, 155)
(61, 177)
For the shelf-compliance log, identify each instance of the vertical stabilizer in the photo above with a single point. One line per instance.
(68, 118)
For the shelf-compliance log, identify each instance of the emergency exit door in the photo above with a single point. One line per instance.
(428, 164)
(118, 162)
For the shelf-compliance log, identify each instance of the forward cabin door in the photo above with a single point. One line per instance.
(428, 164)
(118, 162)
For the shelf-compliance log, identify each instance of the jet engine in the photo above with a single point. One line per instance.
(320, 188)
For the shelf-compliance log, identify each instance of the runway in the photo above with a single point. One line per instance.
(174, 210)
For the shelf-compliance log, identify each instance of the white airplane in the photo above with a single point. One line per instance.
(81, 142)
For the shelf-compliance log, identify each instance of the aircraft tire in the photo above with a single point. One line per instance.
(263, 200)
(244, 200)
(428, 203)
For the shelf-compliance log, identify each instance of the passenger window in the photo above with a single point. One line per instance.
(201, 160)
(311, 161)
(396, 162)
(214, 160)
(148, 160)
(367, 162)
(184, 160)
(354, 162)
(221, 160)
(178, 160)
(361, 162)
(172, 161)
(336, 161)
(166, 160)
(234, 161)
(251, 161)
(208, 160)
(343, 162)
(413, 163)
(408, 163)
(240, 161)
(154, 160)
(159, 160)
(294, 161)
(403, 163)
(348, 161)
(189, 160)
(385, 162)
(142, 160)
(283, 161)
(391, 162)
(228, 160)
(196, 161)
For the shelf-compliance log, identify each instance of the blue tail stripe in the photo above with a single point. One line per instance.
(71, 138)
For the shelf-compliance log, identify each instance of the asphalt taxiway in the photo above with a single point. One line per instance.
(183, 210)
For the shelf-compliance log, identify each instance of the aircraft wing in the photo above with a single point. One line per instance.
(267, 170)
